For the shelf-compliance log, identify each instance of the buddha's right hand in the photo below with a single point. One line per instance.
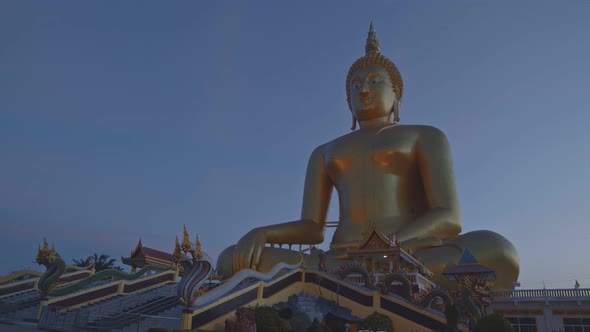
(248, 250)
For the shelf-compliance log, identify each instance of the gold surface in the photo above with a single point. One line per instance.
(198, 254)
(186, 243)
(18, 274)
(398, 176)
(176, 255)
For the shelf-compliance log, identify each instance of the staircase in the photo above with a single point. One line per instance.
(134, 315)
(315, 307)
(113, 313)
(20, 307)
(169, 319)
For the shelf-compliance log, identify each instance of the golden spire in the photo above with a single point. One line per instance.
(177, 256)
(45, 247)
(186, 243)
(372, 45)
(52, 254)
(198, 254)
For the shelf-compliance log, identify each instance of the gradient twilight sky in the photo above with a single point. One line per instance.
(121, 120)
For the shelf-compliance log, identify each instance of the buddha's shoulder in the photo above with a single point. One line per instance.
(422, 133)
(418, 131)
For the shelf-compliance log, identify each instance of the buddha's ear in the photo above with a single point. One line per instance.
(395, 110)
(353, 127)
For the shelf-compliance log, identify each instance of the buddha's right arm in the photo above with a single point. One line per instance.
(316, 199)
(295, 232)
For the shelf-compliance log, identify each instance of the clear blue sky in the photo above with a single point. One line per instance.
(128, 119)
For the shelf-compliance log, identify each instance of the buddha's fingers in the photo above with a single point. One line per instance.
(257, 252)
(248, 250)
(242, 256)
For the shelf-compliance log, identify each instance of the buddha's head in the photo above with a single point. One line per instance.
(373, 85)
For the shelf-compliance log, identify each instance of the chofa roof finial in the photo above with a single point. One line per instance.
(372, 45)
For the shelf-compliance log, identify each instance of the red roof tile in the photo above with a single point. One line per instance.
(156, 254)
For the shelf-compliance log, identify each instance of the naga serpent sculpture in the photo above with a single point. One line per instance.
(355, 268)
(471, 301)
(197, 270)
(237, 278)
(406, 289)
(20, 275)
(422, 300)
(104, 274)
(474, 296)
(55, 268)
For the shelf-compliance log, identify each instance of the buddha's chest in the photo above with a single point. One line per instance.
(370, 155)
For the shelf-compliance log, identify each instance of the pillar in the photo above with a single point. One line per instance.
(186, 322)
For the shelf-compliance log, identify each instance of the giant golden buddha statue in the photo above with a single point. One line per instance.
(398, 176)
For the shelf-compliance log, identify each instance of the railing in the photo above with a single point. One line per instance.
(551, 294)
(123, 319)
(127, 302)
(414, 278)
(10, 307)
(65, 319)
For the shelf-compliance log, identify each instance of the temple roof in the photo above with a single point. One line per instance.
(156, 253)
(373, 238)
(145, 254)
(467, 258)
(468, 264)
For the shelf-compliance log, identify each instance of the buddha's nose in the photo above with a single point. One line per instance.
(365, 89)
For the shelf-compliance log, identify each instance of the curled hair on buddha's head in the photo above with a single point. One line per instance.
(374, 57)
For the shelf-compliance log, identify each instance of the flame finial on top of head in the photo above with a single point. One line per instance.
(372, 45)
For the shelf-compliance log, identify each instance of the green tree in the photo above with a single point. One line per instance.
(101, 262)
(268, 320)
(377, 322)
(493, 323)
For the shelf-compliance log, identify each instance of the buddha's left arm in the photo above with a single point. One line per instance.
(442, 220)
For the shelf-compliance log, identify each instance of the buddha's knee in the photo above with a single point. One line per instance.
(486, 245)
(225, 262)
(494, 251)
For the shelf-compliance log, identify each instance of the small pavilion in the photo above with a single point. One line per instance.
(468, 266)
(376, 246)
(142, 256)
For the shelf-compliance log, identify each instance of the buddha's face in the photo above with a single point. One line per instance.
(371, 93)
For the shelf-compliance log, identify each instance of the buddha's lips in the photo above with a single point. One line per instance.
(366, 101)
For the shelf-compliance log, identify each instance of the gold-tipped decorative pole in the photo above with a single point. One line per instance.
(198, 254)
(52, 254)
(186, 243)
(176, 256)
